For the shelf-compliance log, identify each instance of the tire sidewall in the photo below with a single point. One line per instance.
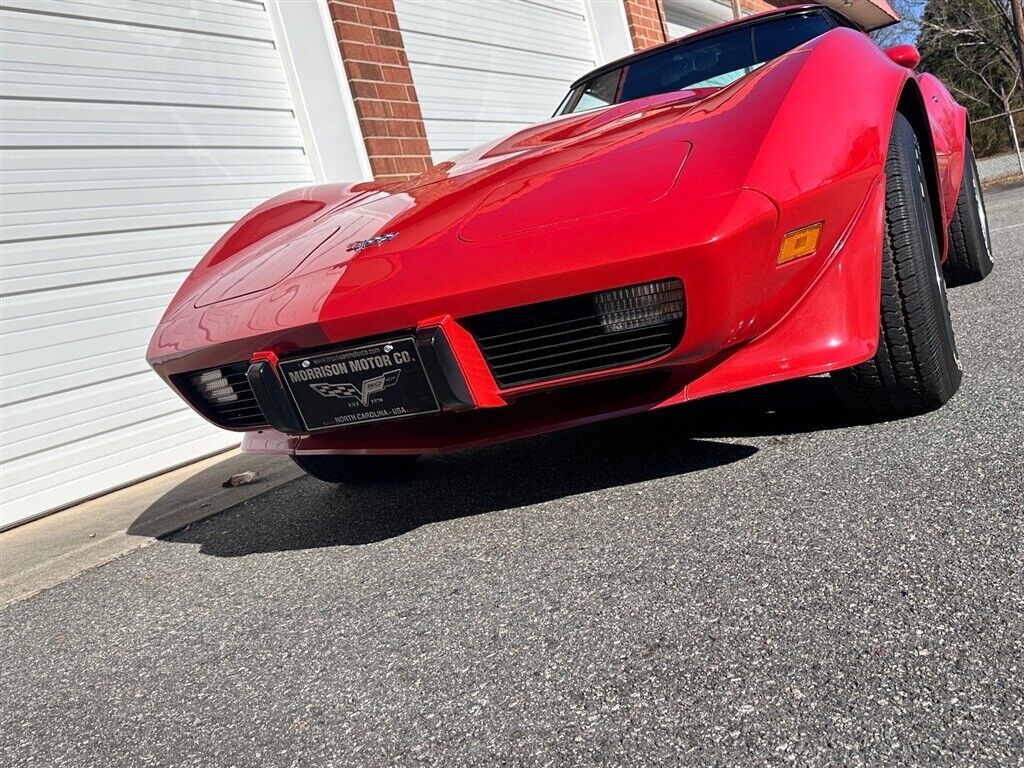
(979, 214)
(931, 255)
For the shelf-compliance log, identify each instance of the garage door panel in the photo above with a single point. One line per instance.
(128, 150)
(138, 183)
(125, 218)
(91, 45)
(34, 123)
(44, 423)
(40, 81)
(512, 24)
(447, 136)
(498, 97)
(39, 266)
(198, 67)
(109, 359)
(483, 70)
(82, 203)
(471, 55)
(47, 480)
(124, 165)
(97, 134)
(60, 311)
(233, 18)
(683, 17)
(78, 343)
(83, 35)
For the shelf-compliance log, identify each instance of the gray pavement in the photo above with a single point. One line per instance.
(756, 579)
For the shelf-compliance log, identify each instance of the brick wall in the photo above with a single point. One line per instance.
(756, 6)
(378, 72)
(647, 18)
(646, 22)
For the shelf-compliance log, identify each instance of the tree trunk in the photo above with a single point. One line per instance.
(1013, 130)
(1018, 25)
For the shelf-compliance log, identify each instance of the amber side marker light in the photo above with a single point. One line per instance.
(799, 243)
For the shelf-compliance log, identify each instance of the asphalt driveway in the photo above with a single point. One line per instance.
(756, 579)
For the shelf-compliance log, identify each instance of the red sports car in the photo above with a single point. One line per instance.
(772, 198)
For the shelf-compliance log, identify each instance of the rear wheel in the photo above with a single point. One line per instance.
(340, 468)
(970, 245)
(915, 368)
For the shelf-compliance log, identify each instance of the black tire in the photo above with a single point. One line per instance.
(970, 242)
(342, 468)
(916, 368)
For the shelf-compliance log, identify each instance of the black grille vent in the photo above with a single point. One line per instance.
(581, 334)
(224, 396)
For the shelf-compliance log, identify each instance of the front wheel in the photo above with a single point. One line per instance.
(916, 368)
(343, 468)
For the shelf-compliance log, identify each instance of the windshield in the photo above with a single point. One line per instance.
(709, 62)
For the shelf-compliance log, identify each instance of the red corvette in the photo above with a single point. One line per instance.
(772, 198)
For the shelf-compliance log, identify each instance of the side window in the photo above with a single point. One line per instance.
(776, 38)
(599, 93)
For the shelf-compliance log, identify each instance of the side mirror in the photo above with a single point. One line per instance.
(905, 55)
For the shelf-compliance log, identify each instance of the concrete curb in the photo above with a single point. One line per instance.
(51, 550)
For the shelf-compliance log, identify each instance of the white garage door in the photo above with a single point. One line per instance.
(485, 69)
(685, 16)
(133, 134)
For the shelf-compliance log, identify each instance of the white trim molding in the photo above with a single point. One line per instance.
(323, 101)
(609, 29)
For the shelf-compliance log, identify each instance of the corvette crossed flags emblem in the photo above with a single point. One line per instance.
(369, 388)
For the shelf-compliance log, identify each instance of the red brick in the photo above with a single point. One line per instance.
(383, 20)
(646, 22)
(373, 128)
(351, 52)
(373, 108)
(353, 33)
(388, 37)
(375, 61)
(411, 164)
(365, 71)
(402, 128)
(393, 91)
(405, 109)
(382, 147)
(390, 56)
(360, 88)
(396, 75)
(343, 12)
(414, 147)
(382, 164)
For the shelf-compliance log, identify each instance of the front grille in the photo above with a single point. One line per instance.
(224, 396)
(580, 334)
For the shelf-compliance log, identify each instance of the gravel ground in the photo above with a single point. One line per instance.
(752, 580)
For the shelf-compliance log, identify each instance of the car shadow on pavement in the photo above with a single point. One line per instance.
(787, 408)
(307, 513)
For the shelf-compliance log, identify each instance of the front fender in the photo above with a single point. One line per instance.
(817, 126)
(947, 123)
(829, 135)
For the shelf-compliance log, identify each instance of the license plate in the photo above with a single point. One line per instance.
(359, 384)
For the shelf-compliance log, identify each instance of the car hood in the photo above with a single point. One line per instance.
(548, 175)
